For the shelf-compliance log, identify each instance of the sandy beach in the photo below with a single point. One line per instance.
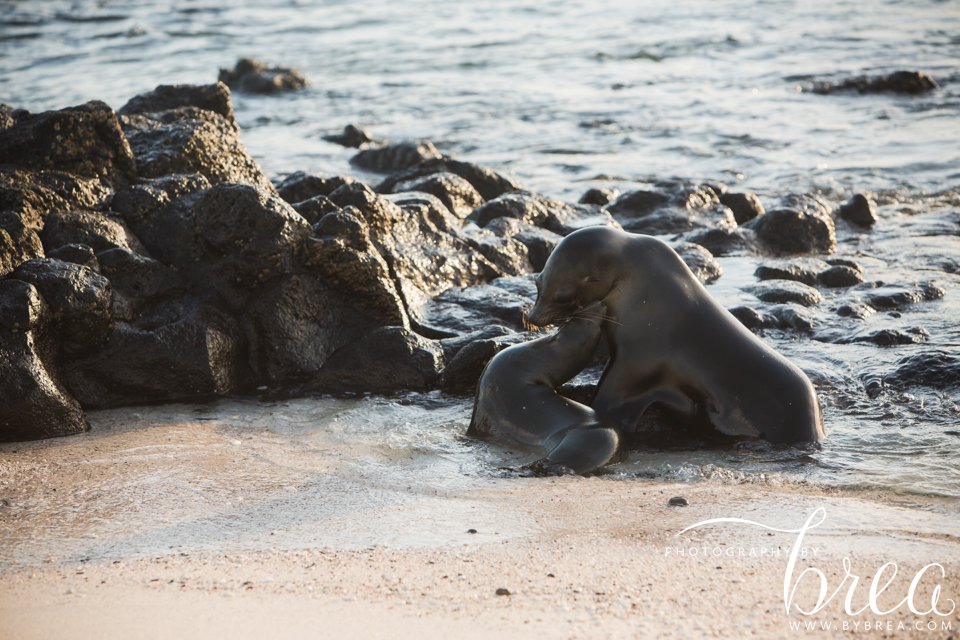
(114, 534)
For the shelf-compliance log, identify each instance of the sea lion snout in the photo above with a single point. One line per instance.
(536, 316)
(543, 315)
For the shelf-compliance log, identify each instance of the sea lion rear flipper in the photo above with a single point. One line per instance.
(585, 449)
(627, 414)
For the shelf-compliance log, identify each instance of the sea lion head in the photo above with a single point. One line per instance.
(582, 269)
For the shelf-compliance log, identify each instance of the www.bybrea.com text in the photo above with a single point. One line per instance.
(889, 626)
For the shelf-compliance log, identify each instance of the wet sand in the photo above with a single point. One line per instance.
(156, 525)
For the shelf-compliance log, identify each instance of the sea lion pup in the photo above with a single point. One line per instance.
(672, 343)
(517, 401)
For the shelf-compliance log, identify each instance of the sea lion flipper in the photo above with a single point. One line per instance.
(585, 449)
(627, 414)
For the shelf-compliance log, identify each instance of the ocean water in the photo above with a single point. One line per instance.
(572, 95)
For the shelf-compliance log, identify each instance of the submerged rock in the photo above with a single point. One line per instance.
(351, 136)
(805, 270)
(890, 337)
(894, 297)
(936, 369)
(859, 210)
(786, 291)
(253, 76)
(912, 82)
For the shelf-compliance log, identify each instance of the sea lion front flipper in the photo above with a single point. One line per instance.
(585, 449)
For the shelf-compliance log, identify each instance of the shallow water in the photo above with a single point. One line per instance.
(594, 94)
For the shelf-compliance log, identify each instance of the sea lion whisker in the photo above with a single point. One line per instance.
(590, 315)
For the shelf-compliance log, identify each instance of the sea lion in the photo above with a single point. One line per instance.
(672, 343)
(517, 402)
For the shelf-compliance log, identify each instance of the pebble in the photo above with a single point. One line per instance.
(503, 592)
(471, 530)
(678, 501)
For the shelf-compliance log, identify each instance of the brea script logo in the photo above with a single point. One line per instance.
(881, 581)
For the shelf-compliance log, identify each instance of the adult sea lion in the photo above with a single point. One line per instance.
(671, 342)
(517, 401)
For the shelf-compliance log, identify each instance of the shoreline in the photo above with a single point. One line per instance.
(144, 529)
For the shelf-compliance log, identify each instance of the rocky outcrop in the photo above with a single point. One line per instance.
(458, 195)
(300, 186)
(677, 208)
(34, 403)
(394, 156)
(210, 97)
(100, 231)
(420, 241)
(488, 183)
(190, 139)
(386, 360)
(85, 141)
(184, 351)
(540, 211)
(79, 302)
(18, 244)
